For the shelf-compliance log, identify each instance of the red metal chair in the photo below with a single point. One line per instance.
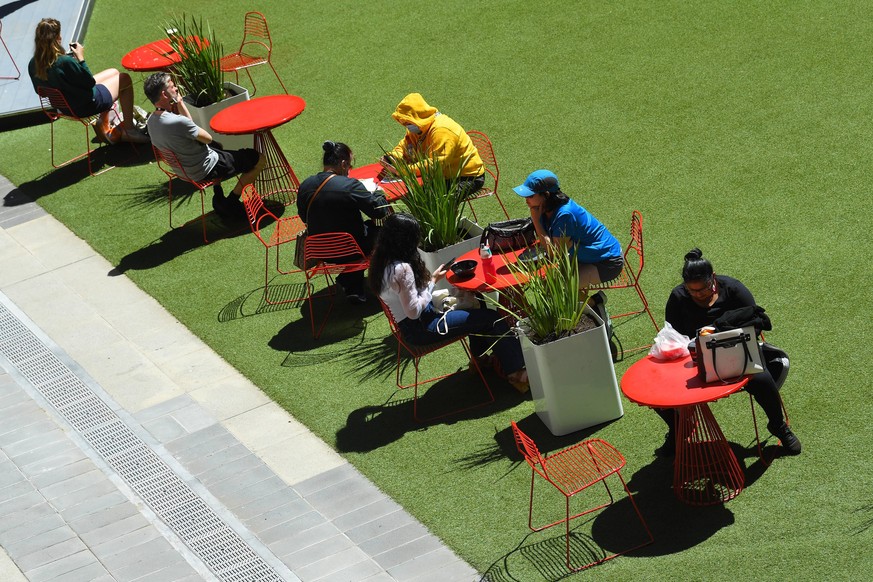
(332, 253)
(17, 71)
(486, 152)
(55, 106)
(273, 232)
(571, 471)
(418, 352)
(170, 165)
(634, 261)
(256, 49)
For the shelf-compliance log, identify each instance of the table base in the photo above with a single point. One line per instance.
(277, 181)
(706, 471)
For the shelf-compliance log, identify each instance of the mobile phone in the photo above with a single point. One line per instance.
(448, 264)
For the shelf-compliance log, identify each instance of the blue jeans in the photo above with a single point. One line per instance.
(486, 328)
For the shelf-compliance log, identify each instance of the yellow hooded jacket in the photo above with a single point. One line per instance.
(441, 137)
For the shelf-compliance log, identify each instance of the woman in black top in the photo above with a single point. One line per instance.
(702, 298)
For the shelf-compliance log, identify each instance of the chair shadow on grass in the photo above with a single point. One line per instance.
(674, 525)
(55, 180)
(177, 241)
(371, 427)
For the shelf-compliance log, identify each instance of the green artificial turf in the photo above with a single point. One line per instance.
(739, 127)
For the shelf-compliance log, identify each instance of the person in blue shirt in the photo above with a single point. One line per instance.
(559, 220)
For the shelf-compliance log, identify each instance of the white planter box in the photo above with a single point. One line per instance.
(432, 260)
(572, 380)
(203, 115)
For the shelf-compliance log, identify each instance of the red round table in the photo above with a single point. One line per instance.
(154, 56)
(477, 283)
(259, 116)
(394, 189)
(706, 471)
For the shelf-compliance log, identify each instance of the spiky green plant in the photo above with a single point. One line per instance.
(549, 302)
(433, 201)
(199, 71)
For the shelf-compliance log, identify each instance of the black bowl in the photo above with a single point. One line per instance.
(463, 269)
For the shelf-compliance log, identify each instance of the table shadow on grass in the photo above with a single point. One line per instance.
(371, 427)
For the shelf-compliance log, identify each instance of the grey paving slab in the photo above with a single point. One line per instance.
(217, 459)
(413, 550)
(113, 530)
(326, 479)
(394, 538)
(26, 515)
(273, 536)
(25, 546)
(35, 443)
(435, 562)
(316, 552)
(230, 470)
(338, 559)
(344, 497)
(81, 495)
(234, 489)
(379, 526)
(125, 543)
(177, 572)
(93, 572)
(94, 504)
(255, 491)
(30, 528)
(103, 518)
(59, 568)
(21, 502)
(78, 482)
(367, 513)
(266, 503)
(304, 538)
(363, 570)
(50, 554)
(446, 570)
(279, 517)
(64, 473)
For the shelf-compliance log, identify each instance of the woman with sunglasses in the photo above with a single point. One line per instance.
(702, 298)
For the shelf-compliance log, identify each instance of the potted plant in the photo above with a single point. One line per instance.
(564, 343)
(199, 74)
(433, 201)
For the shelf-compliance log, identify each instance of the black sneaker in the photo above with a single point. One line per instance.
(668, 449)
(790, 442)
(234, 208)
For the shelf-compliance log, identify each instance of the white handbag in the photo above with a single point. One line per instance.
(729, 355)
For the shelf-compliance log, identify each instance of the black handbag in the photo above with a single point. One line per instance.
(509, 235)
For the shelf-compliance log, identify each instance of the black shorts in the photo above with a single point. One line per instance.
(102, 101)
(610, 268)
(233, 162)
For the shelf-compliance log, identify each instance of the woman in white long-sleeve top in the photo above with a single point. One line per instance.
(398, 276)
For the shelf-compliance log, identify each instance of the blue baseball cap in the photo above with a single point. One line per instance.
(537, 183)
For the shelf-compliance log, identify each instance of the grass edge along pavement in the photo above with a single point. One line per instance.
(731, 128)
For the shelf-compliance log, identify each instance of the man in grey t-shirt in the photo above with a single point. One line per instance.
(202, 158)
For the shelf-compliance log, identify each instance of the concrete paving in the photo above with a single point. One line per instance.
(164, 439)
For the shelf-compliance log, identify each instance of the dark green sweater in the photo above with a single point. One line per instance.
(73, 79)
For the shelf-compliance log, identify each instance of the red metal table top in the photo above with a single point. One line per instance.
(673, 383)
(505, 278)
(258, 114)
(393, 190)
(154, 56)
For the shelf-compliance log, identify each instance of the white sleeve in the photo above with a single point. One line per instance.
(412, 300)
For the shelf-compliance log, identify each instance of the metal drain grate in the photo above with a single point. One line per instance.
(186, 513)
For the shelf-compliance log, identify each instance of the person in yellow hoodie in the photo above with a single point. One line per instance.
(437, 135)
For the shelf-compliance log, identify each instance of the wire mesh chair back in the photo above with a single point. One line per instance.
(169, 164)
(528, 449)
(333, 245)
(256, 37)
(636, 244)
(486, 151)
